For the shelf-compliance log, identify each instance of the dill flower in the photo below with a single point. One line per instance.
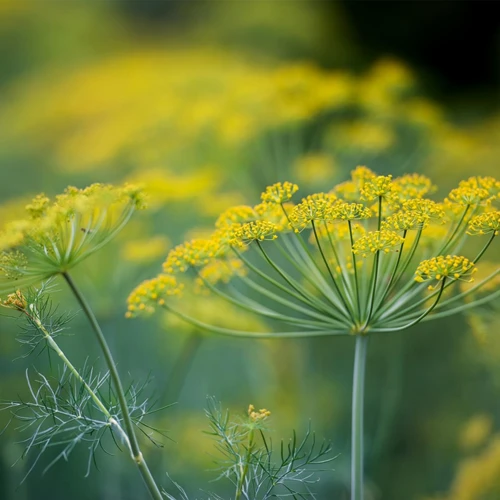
(257, 415)
(56, 235)
(279, 192)
(440, 268)
(376, 241)
(319, 277)
(252, 231)
(486, 223)
(333, 266)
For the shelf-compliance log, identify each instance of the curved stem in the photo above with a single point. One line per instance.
(464, 307)
(358, 389)
(450, 239)
(420, 318)
(230, 332)
(127, 420)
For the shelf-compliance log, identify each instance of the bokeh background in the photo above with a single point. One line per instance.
(207, 102)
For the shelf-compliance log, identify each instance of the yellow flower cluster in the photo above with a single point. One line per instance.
(414, 214)
(404, 221)
(56, 235)
(449, 266)
(411, 229)
(274, 213)
(378, 187)
(365, 185)
(236, 215)
(375, 241)
(351, 211)
(413, 186)
(16, 301)
(316, 207)
(428, 210)
(255, 231)
(279, 192)
(192, 253)
(217, 271)
(151, 292)
(257, 415)
(486, 223)
(475, 190)
(351, 190)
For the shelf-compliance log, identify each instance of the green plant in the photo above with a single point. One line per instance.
(356, 260)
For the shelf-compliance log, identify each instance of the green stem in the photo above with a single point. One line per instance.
(420, 318)
(334, 281)
(127, 420)
(244, 467)
(373, 284)
(357, 418)
(355, 267)
(55, 347)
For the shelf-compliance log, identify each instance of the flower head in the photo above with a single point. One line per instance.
(236, 215)
(486, 223)
(376, 241)
(57, 235)
(351, 211)
(152, 292)
(441, 267)
(258, 415)
(343, 268)
(255, 231)
(316, 207)
(280, 192)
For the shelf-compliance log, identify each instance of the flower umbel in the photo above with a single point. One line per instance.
(316, 283)
(56, 235)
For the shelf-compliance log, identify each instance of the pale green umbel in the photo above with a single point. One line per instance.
(57, 235)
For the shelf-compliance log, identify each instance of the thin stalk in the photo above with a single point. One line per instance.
(230, 332)
(55, 347)
(291, 282)
(354, 265)
(299, 296)
(325, 260)
(420, 318)
(245, 466)
(464, 307)
(343, 269)
(379, 221)
(291, 305)
(308, 273)
(450, 239)
(307, 252)
(358, 388)
(481, 253)
(373, 283)
(122, 401)
(394, 271)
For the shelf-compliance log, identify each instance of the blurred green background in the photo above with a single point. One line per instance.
(206, 102)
